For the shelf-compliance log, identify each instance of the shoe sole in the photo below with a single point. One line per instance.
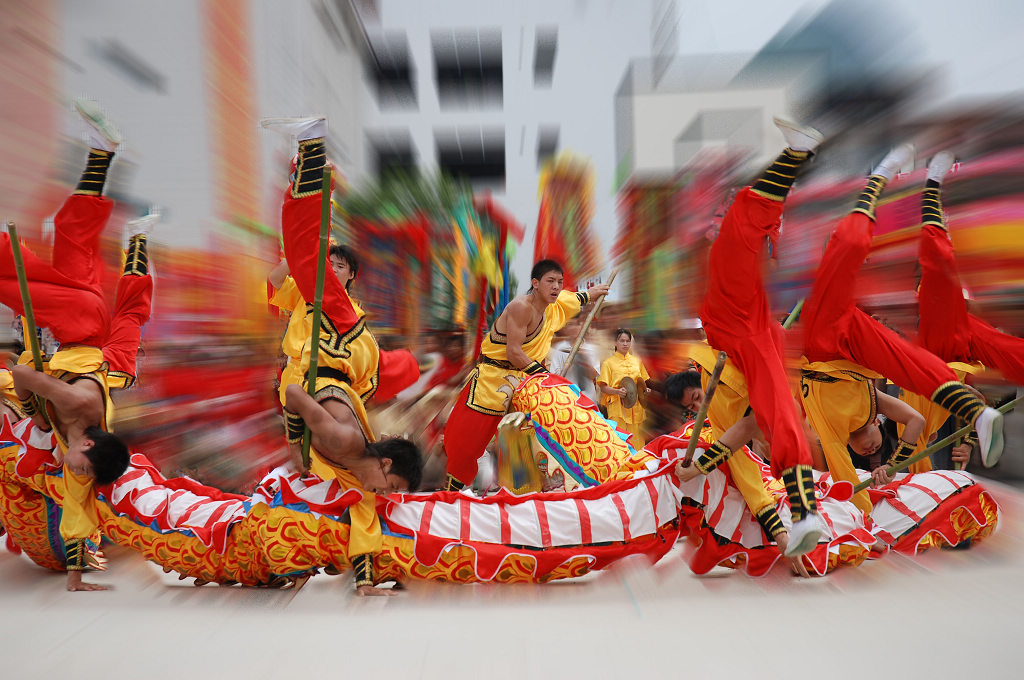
(94, 114)
(790, 125)
(806, 544)
(270, 122)
(995, 447)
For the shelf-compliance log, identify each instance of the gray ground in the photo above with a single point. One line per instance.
(943, 614)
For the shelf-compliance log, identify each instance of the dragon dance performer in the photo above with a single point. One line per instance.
(69, 300)
(738, 320)
(836, 329)
(946, 327)
(352, 368)
(517, 343)
(727, 413)
(622, 364)
(295, 343)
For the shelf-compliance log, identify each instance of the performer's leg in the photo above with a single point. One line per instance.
(466, 436)
(943, 328)
(83, 217)
(999, 350)
(300, 220)
(833, 294)
(133, 303)
(735, 295)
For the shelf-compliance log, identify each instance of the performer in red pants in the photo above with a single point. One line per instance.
(834, 327)
(946, 328)
(737, 319)
(132, 307)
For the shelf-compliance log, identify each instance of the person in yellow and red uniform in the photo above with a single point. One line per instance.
(624, 364)
(351, 367)
(517, 343)
(68, 299)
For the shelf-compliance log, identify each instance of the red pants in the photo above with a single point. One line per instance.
(946, 328)
(737, 319)
(133, 303)
(300, 225)
(466, 437)
(66, 295)
(834, 327)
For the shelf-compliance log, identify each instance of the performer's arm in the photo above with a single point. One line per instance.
(334, 438)
(278, 274)
(65, 398)
(913, 425)
(516, 326)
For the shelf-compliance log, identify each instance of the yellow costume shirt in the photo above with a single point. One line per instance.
(839, 398)
(494, 379)
(730, 405)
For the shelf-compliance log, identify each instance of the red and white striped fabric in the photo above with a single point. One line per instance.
(617, 511)
(183, 504)
(923, 503)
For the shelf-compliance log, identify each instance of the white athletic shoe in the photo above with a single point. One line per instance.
(103, 134)
(302, 129)
(798, 137)
(989, 426)
(141, 225)
(804, 535)
(895, 160)
(940, 165)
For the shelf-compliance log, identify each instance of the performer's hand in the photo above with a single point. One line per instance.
(795, 563)
(600, 290)
(962, 454)
(295, 460)
(76, 584)
(370, 591)
(10, 360)
(687, 472)
(621, 391)
(881, 476)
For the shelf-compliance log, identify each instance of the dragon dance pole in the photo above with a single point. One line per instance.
(26, 301)
(794, 315)
(318, 301)
(702, 412)
(893, 469)
(586, 326)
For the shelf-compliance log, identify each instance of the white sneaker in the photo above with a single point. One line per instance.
(940, 165)
(141, 225)
(798, 138)
(896, 160)
(102, 133)
(804, 535)
(302, 129)
(989, 426)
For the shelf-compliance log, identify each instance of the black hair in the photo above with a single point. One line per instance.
(350, 257)
(406, 461)
(108, 455)
(543, 267)
(677, 384)
(620, 331)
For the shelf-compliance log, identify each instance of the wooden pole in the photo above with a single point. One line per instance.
(318, 301)
(586, 326)
(702, 412)
(26, 302)
(794, 315)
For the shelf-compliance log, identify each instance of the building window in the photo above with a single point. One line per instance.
(547, 143)
(390, 70)
(468, 68)
(391, 153)
(476, 154)
(544, 48)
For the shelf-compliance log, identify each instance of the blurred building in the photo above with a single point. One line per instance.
(490, 90)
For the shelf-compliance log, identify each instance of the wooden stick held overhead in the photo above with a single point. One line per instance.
(26, 302)
(702, 412)
(586, 326)
(318, 301)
